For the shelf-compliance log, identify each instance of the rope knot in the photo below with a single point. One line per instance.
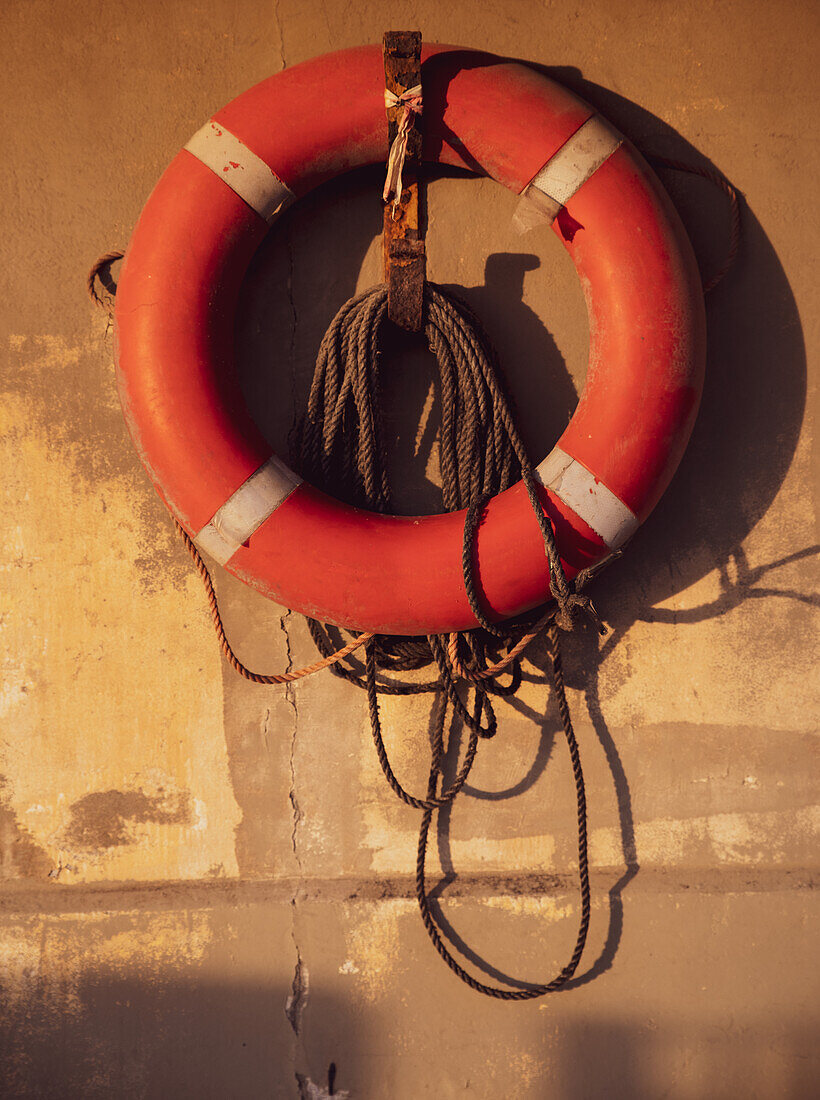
(568, 607)
(411, 101)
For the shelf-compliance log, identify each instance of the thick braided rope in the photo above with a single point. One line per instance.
(583, 858)
(466, 673)
(481, 454)
(340, 440)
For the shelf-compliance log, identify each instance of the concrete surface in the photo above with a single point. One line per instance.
(207, 883)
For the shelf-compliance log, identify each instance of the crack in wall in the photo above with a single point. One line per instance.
(297, 999)
(290, 698)
(266, 730)
(280, 26)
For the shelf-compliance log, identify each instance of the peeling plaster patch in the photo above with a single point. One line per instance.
(709, 104)
(525, 1068)
(22, 970)
(392, 848)
(86, 420)
(50, 959)
(20, 855)
(727, 670)
(309, 1090)
(13, 691)
(106, 819)
(545, 908)
(739, 662)
(123, 690)
(748, 839)
(46, 352)
(199, 819)
(374, 945)
(165, 943)
(85, 427)
(498, 854)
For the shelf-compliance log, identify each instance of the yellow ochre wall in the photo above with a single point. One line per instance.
(207, 885)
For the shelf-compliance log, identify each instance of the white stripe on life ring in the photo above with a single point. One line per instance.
(577, 159)
(247, 509)
(588, 497)
(242, 170)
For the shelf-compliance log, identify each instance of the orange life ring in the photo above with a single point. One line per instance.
(174, 334)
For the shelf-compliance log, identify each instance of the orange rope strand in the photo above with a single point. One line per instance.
(225, 645)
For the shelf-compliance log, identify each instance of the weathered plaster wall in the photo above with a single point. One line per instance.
(206, 882)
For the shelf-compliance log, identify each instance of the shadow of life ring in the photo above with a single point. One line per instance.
(241, 504)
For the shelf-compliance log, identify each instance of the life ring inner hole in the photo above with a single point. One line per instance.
(327, 247)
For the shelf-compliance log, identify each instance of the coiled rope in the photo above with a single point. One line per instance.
(340, 447)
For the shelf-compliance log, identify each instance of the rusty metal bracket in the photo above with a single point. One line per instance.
(403, 243)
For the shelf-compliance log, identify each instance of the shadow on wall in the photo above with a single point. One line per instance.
(230, 1040)
(611, 1058)
(161, 1037)
(743, 443)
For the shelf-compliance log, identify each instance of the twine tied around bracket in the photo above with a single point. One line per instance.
(411, 100)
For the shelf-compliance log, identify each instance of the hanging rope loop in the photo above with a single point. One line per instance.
(340, 445)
